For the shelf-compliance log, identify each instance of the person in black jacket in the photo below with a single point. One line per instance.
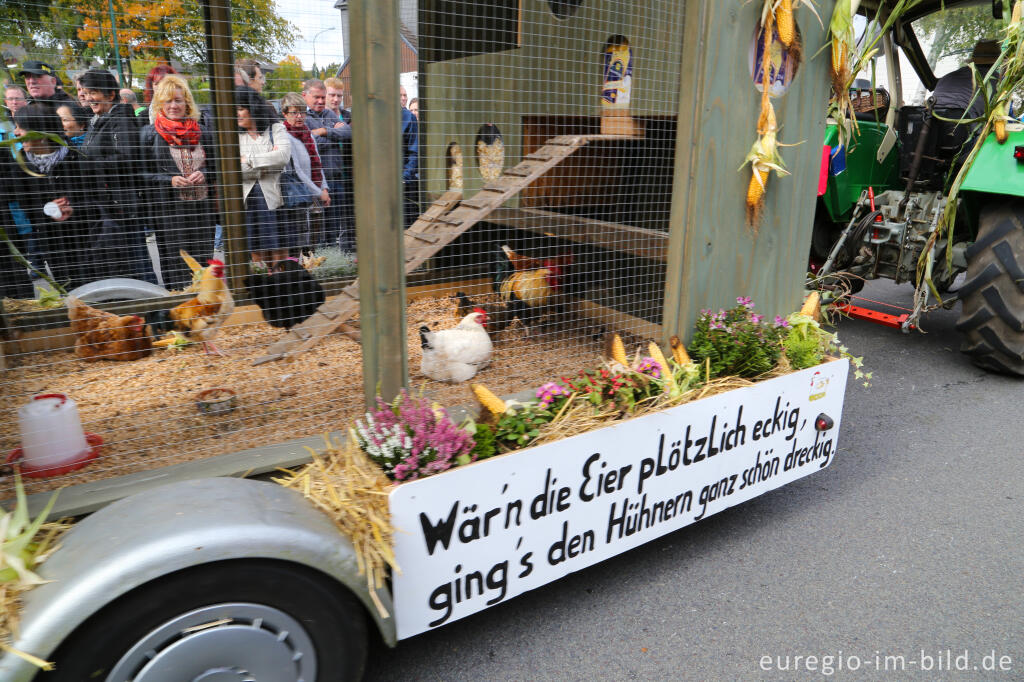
(55, 198)
(41, 82)
(111, 150)
(178, 172)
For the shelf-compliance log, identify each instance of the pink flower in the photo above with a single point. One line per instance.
(648, 366)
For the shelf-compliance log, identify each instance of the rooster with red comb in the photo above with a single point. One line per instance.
(200, 318)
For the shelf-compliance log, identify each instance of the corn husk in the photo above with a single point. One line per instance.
(784, 22)
(679, 353)
(352, 491)
(492, 403)
(617, 351)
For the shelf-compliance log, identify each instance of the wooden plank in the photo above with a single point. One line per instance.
(377, 175)
(638, 241)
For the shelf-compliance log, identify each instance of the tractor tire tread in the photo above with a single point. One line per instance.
(989, 239)
(992, 297)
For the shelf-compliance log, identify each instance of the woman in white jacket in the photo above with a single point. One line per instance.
(265, 149)
(305, 164)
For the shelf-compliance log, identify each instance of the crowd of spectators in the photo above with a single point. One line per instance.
(101, 185)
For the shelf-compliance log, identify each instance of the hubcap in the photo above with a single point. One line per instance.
(222, 643)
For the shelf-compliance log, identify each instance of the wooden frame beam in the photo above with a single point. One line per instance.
(377, 172)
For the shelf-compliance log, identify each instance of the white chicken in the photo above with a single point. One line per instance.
(456, 355)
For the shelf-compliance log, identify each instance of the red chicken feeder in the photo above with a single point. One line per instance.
(94, 441)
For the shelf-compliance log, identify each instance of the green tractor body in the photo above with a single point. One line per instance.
(883, 198)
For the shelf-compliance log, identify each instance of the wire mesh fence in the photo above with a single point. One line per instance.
(537, 147)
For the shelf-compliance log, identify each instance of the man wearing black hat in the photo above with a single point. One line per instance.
(41, 82)
(111, 147)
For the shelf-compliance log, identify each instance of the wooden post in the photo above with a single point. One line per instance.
(220, 56)
(675, 316)
(377, 172)
(714, 256)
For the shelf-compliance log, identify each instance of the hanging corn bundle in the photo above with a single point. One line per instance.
(1013, 72)
(763, 158)
(779, 31)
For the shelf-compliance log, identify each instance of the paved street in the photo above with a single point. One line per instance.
(911, 540)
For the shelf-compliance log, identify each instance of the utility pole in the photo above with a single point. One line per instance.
(117, 45)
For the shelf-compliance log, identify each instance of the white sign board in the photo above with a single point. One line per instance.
(478, 535)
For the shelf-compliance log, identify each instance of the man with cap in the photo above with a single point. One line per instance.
(41, 83)
(956, 91)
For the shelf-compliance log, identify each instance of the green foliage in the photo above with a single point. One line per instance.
(806, 344)
(337, 264)
(76, 31)
(517, 427)
(736, 341)
(287, 77)
(802, 351)
(485, 442)
(954, 31)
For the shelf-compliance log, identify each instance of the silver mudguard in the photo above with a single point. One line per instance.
(178, 526)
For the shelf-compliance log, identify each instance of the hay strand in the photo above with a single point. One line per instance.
(352, 491)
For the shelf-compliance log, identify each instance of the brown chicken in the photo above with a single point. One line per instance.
(201, 317)
(532, 289)
(105, 336)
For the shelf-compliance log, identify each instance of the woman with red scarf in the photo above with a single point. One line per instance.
(178, 173)
(305, 163)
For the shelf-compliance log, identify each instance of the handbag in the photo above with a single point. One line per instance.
(293, 190)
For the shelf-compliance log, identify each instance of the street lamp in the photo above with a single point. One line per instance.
(316, 74)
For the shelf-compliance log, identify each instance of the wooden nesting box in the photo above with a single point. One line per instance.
(665, 199)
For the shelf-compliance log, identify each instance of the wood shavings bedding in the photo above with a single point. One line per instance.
(146, 413)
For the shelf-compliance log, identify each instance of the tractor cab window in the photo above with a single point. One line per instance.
(947, 38)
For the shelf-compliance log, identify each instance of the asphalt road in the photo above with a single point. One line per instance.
(909, 541)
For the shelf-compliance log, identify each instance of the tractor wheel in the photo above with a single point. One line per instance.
(992, 297)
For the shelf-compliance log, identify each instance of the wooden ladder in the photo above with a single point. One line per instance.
(438, 226)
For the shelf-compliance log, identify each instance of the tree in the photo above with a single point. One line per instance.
(953, 32)
(287, 77)
(166, 30)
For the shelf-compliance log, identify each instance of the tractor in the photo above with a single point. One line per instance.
(882, 196)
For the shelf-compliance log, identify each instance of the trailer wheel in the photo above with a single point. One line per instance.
(992, 296)
(230, 621)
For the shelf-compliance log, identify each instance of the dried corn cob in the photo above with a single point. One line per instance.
(999, 122)
(491, 402)
(655, 352)
(679, 353)
(812, 306)
(784, 22)
(617, 351)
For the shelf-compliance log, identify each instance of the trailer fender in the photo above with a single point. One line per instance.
(178, 526)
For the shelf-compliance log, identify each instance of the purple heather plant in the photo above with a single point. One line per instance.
(410, 439)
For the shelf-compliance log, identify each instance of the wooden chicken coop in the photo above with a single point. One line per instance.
(598, 133)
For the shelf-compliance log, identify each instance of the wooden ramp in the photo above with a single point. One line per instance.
(438, 226)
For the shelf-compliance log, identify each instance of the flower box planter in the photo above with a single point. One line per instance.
(478, 535)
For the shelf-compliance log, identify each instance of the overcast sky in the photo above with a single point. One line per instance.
(311, 17)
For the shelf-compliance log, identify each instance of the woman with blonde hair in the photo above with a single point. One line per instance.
(178, 175)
